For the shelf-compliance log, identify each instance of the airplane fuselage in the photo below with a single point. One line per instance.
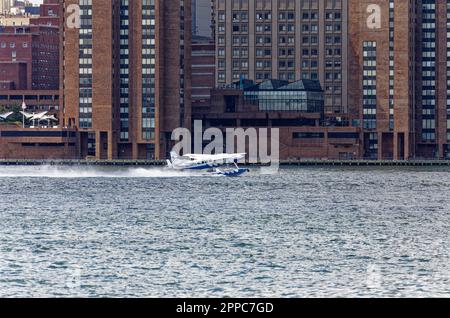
(203, 162)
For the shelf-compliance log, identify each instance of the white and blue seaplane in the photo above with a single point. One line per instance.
(220, 164)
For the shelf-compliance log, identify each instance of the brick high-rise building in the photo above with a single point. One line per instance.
(287, 40)
(433, 72)
(399, 86)
(29, 56)
(127, 76)
(203, 70)
(29, 53)
(382, 76)
(49, 13)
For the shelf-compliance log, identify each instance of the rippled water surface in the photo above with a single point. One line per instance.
(305, 232)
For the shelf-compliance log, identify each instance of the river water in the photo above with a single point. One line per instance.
(301, 232)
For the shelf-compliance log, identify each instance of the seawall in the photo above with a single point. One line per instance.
(411, 163)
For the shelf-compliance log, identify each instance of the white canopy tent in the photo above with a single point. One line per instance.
(33, 117)
(5, 116)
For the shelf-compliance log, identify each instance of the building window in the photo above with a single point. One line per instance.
(369, 85)
(429, 70)
(85, 65)
(448, 79)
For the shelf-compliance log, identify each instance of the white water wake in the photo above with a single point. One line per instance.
(90, 172)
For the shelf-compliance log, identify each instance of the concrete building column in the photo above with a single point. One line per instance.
(380, 145)
(111, 145)
(251, 40)
(134, 150)
(98, 145)
(275, 38)
(407, 146)
(395, 146)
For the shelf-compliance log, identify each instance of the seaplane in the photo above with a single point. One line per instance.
(212, 164)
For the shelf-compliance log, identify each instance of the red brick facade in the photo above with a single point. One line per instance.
(203, 70)
(18, 143)
(171, 78)
(38, 48)
(310, 141)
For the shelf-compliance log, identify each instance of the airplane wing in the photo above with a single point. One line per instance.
(217, 158)
(231, 157)
(198, 157)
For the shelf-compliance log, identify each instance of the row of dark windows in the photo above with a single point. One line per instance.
(61, 134)
(20, 97)
(47, 144)
(321, 135)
